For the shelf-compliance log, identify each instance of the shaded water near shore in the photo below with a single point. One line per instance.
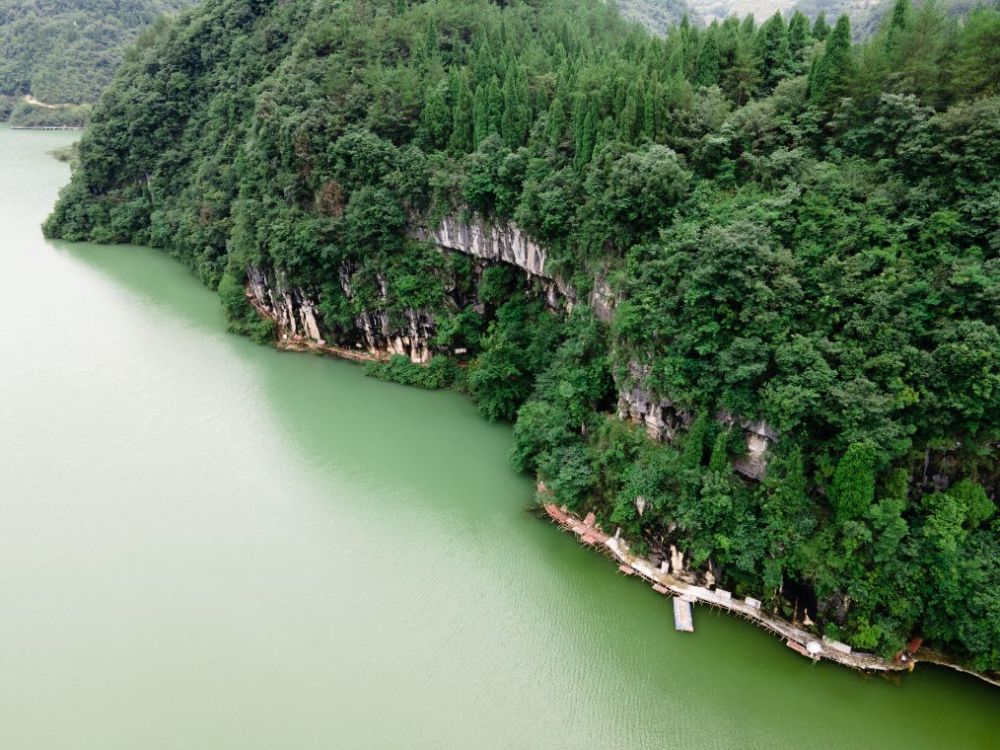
(209, 544)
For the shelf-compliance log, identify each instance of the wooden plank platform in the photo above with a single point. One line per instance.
(682, 615)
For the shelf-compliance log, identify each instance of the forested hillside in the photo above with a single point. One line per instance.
(66, 51)
(792, 230)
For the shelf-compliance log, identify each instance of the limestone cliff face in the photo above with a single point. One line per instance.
(497, 242)
(505, 242)
(664, 421)
(641, 405)
(294, 310)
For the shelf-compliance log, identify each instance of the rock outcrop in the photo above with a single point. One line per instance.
(497, 242)
(291, 308)
(664, 421)
(294, 310)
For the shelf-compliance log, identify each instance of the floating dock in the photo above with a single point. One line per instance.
(682, 615)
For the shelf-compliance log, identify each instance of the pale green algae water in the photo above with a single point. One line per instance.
(209, 544)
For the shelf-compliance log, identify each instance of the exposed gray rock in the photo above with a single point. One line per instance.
(759, 437)
(500, 242)
(663, 421)
(639, 404)
(293, 310)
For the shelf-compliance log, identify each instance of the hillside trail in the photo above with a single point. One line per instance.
(32, 100)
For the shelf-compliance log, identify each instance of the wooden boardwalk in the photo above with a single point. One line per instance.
(687, 593)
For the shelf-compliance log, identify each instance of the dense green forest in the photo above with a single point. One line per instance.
(66, 51)
(798, 229)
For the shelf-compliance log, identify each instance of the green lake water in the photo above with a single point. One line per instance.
(210, 544)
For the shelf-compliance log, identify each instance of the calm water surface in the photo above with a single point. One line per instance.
(209, 544)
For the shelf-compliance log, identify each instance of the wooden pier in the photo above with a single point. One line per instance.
(682, 615)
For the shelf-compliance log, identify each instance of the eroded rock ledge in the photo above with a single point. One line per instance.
(294, 311)
(664, 422)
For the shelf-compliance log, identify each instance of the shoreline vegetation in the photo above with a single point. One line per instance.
(809, 644)
(27, 113)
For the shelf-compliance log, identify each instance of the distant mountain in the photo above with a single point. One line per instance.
(658, 15)
(66, 51)
(867, 15)
(760, 9)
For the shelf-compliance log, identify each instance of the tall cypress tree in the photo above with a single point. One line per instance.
(586, 137)
(556, 128)
(494, 107)
(630, 118)
(650, 112)
(436, 117)
(462, 114)
(771, 52)
(742, 77)
(516, 117)
(898, 21)
(706, 70)
(481, 121)
(798, 39)
(821, 29)
(828, 78)
(485, 66)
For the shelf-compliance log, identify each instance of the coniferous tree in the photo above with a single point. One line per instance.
(772, 52)
(630, 119)
(821, 29)
(829, 77)
(586, 136)
(494, 107)
(436, 117)
(516, 117)
(651, 112)
(742, 77)
(799, 38)
(555, 128)
(463, 114)
(706, 72)
(977, 57)
(481, 117)
(484, 68)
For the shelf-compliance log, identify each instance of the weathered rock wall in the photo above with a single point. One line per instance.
(294, 310)
(664, 421)
(497, 242)
(505, 242)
